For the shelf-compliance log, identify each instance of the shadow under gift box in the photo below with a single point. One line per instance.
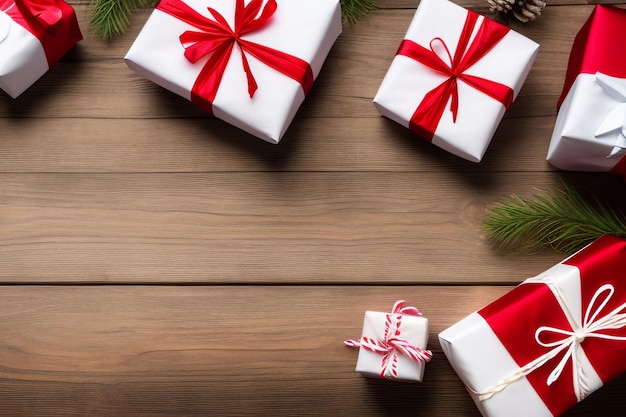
(305, 30)
(551, 341)
(480, 69)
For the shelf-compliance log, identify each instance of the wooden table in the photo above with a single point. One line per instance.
(158, 262)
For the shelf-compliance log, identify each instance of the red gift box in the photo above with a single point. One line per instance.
(589, 133)
(551, 341)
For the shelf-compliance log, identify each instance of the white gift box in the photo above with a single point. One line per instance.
(590, 129)
(23, 58)
(408, 81)
(382, 333)
(584, 305)
(304, 29)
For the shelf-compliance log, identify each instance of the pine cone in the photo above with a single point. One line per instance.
(522, 10)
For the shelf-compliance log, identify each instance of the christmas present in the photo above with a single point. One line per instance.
(454, 76)
(34, 35)
(250, 65)
(392, 345)
(590, 129)
(551, 341)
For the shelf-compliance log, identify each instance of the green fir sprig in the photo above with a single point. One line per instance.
(563, 220)
(110, 18)
(355, 10)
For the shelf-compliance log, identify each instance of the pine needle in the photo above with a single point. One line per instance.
(110, 18)
(355, 10)
(564, 221)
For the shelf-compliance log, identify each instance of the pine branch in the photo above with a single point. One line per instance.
(355, 10)
(564, 221)
(110, 18)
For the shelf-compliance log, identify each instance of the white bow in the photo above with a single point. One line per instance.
(571, 342)
(615, 122)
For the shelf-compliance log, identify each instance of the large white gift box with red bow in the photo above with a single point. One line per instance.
(34, 35)
(393, 345)
(590, 129)
(250, 63)
(453, 77)
(551, 341)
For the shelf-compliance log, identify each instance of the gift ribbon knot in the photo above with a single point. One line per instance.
(614, 122)
(572, 342)
(391, 345)
(43, 14)
(216, 39)
(426, 117)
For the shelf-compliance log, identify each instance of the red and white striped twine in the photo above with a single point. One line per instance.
(392, 344)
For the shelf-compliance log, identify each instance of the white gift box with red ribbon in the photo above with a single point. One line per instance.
(439, 27)
(393, 345)
(551, 341)
(590, 130)
(25, 57)
(304, 30)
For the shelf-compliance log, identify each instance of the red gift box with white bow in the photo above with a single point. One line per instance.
(551, 341)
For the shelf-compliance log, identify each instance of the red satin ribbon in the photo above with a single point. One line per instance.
(53, 22)
(217, 39)
(515, 318)
(428, 114)
(598, 46)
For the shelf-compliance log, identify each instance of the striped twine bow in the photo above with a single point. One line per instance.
(392, 344)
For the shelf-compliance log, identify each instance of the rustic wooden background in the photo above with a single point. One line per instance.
(157, 262)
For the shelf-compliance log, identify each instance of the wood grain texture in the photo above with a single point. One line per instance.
(158, 262)
(258, 227)
(227, 351)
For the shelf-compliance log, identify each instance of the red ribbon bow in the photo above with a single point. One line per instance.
(217, 40)
(392, 344)
(51, 21)
(428, 114)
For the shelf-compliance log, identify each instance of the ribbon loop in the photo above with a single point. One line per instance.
(217, 39)
(594, 325)
(430, 111)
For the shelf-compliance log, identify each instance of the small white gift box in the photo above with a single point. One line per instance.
(392, 345)
(34, 35)
(454, 76)
(267, 64)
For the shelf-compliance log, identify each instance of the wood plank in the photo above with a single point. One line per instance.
(261, 227)
(210, 145)
(227, 351)
(92, 81)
